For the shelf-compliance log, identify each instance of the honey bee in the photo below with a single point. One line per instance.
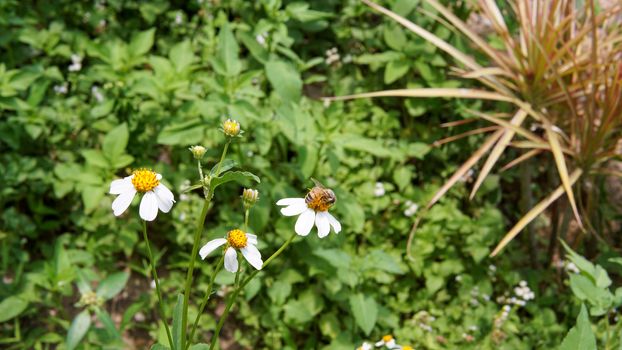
(319, 197)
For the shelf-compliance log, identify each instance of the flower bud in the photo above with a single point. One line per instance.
(231, 127)
(250, 197)
(197, 151)
(90, 299)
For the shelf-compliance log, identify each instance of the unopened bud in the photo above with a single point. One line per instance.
(231, 127)
(250, 197)
(197, 151)
(90, 299)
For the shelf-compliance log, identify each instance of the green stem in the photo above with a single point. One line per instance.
(206, 297)
(157, 284)
(221, 322)
(195, 249)
(246, 212)
(222, 157)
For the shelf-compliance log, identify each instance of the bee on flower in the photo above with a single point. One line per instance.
(236, 239)
(155, 194)
(312, 210)
(387, 341)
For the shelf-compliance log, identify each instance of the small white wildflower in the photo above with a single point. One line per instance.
(61, 89)
(411, 209)
(236, 239)
(155, 194)
(261, 39)
(365, 346)
(486, 297)
(379, 189)
(387, 341)
(492, 268)
(139, 317)
(507, 308)
(332, 56)
(179, 18)
(97, 94)
(312, 211)
(522, 283)
(473, 328)
(152, 284)
(571, 267)
(76, 63)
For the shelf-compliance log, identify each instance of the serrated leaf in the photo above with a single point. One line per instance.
(365, 311)
(79, 326)
(242, 177)
(112, 285)
(581, 336)
(395, 70)
(227, 164)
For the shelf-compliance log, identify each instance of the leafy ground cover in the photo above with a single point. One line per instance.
(90, 92)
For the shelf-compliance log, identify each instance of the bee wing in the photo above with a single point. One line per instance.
(317, 183)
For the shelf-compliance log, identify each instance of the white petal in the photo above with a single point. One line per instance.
(290, 201)
(121, 185)
(252, 239)
(149, 206)
(333, 222)
(120, 204)
(231, 260)
(211, 246)
(305, 222)
(165, 198)
(321, 221)
(158, 176)
(253, 256)
(380, 343)
(294, 209)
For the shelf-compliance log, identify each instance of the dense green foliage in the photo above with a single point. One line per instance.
(89, 92)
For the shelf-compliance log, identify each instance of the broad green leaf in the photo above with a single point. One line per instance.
(395, 70)
(184, 133)
(141, 43)
(12, 307)
(285, 80)
(228, 51)
(359, 143)
(79, 326)
(182, 56)
(394, 37)
(581, 336)
(259, 52)
(227, 164)
(96, 158)
(365, 311)
(112, 285)
(307, 159)
(160, 347)
(200, 346)
(177, 318)
(241, 177)
(115, 141)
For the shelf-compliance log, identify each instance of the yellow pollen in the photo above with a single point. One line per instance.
(144, 180)
(318, 204)
(387, 338)
(407, 347)
(237, 238)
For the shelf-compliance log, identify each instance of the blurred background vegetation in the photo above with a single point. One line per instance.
(91, 90)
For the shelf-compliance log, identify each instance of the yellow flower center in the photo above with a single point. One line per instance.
(237, 238)
(144, 180)
(387, 338)
(407, 347)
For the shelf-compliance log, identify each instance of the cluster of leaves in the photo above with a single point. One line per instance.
(147, 80)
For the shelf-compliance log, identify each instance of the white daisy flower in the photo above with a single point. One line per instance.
(365, 346)
(313, 209)
(387, 341)
(236, 239)
(156, 195)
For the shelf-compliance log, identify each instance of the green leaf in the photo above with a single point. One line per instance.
(359, 143)
(395, 70)
(95, 158)
(184, 133)
(182, 56)
(142, 42)
(79, 326)
(228, 51)
(112, 285)
(285, 80)
(258, 51)
(581, 336)
(394, 37)
(105, 319)
(115, 141)
(365, 311)
(12, 307)
(227, 164)
(161, 347)
(177, 317)
(241, 177)
(308, 157)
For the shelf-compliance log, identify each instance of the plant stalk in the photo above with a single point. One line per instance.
(221, 322)
(157, 285)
